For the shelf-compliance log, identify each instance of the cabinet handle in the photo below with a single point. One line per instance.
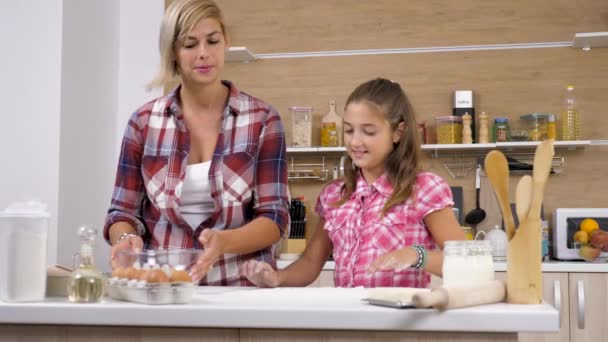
(581, 304)
(557, 300)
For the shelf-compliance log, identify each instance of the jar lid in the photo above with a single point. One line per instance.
(501, 120)
(300, 109)
(449, 118)
(535, 116)
(551, 118)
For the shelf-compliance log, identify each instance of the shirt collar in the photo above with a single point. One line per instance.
(381, 185)
(235, 101)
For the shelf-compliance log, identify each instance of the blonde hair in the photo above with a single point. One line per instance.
(402, 164)
(179, 19)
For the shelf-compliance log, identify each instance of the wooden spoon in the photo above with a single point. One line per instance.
(523, 196)
(497, 169)
(543, 158)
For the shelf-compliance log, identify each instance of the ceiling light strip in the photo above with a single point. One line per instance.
(413, 50)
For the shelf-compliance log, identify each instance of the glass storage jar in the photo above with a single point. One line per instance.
(536, 124)
(467, 262)
(501, 132)
(449, 129)
(301, 126)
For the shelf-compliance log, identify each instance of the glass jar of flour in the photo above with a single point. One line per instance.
(467, 262)
(301, 126)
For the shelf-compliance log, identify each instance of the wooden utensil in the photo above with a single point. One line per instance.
(524, 276)
(451, 297)
(497, 169)
(523, 197)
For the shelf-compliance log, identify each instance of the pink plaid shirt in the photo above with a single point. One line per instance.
(359, 235)
(247, 177)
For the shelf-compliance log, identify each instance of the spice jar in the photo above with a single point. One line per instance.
(449, 129)
(301, 126)
(501, 131)
(467, 262)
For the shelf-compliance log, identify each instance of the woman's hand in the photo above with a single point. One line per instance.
(131, 242)
(212, 249)
(261, 274)
(398, 260)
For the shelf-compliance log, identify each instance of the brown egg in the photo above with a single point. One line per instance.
(142, 274)
(181, 276)
(118, 272)
(130, 273)
(156, 276)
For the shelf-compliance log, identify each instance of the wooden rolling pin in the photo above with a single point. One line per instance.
(452, 297)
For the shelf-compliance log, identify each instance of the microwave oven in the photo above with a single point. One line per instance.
(566, 222)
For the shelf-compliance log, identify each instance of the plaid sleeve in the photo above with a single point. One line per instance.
(271, 175)
(128, 187)
(433, 194)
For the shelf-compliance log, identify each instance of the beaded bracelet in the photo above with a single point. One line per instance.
(421, 252)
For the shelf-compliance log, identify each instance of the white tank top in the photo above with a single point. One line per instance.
(196, 204)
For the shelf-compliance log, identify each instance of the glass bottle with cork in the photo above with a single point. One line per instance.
(86, 284)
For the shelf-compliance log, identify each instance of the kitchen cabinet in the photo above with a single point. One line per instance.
(588, 306)
(555, 292)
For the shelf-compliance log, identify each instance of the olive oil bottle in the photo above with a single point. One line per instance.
(86, 284)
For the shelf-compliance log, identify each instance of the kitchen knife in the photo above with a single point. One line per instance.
(451, 297)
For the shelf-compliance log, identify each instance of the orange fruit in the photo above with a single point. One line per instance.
(581, 236)
(589, 225)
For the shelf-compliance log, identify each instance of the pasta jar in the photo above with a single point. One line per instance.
(537, 125)
(467, 262)
(301, 126)
(449, 129)
(501, 131)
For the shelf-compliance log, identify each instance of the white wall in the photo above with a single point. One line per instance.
(73, 71)
(110, 53)
(30, 93)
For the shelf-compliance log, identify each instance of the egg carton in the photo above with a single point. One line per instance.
(147, 293)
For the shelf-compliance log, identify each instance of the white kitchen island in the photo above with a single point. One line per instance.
(283, 314)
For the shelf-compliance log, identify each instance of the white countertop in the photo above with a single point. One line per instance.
(284, 308)
(550, 266)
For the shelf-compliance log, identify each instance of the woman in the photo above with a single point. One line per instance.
(190, 169)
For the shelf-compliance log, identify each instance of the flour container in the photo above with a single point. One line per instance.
(23, 239)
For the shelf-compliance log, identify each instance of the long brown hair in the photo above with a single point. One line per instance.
(401, 165)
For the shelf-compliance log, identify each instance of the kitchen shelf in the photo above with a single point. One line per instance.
(239, 54)
(571, 145)
(588, 40)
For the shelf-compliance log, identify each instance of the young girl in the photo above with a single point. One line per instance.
(386, 221)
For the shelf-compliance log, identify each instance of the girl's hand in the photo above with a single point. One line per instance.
(129, 243)
(212, 249)
(261, 274)
(398, 260)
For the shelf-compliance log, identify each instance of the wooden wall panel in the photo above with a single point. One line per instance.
(268, 26)
(506, 82)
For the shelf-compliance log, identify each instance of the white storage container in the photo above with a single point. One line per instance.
(23, 239)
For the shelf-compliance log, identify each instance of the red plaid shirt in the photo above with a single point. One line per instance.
(359, 235)
(247, 176)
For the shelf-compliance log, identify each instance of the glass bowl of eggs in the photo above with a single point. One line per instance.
(154, 276)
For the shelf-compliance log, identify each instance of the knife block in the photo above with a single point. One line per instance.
(524, 274)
